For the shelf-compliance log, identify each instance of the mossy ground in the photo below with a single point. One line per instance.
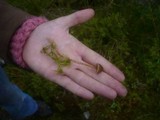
(127, 33)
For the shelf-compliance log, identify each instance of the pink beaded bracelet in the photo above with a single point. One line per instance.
(20, 37)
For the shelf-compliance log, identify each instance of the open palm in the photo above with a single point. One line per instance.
(77, 78)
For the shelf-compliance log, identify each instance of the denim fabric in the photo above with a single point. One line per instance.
(17, 103)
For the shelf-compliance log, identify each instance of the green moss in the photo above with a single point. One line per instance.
(61, 61)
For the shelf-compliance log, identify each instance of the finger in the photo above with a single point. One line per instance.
(69, 85)
(89, 83)
(76, 18)
(93, 58)
(105, 79)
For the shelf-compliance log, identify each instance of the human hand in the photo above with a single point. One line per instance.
(77, 78)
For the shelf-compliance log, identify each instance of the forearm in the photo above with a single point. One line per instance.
(11, 19)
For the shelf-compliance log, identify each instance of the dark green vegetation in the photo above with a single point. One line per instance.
(127, 33)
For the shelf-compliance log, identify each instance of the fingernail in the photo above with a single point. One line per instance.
(124, 92)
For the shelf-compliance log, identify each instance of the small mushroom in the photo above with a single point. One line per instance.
(99, 68)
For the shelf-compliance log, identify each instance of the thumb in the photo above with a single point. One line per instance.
(76, 18)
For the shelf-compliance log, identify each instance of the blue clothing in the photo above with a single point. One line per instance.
(17, 103)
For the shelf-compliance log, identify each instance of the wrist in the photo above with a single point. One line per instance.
(21, 36)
